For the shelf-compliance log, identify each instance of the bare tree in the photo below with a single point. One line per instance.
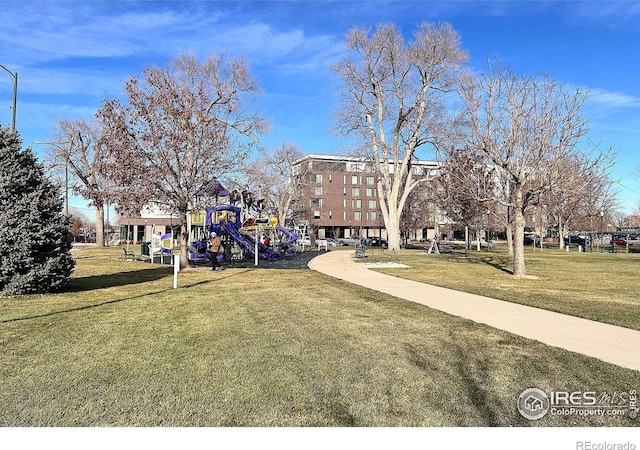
(419, 212)
(182, 126)
(273, 171)
(527, 128)
(465, 189)
(74, 151)
(583, 186)
(393, 99)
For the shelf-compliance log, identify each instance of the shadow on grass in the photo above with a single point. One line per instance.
(497, 262)
(472, 378)
(85, 307)
(99, 282)
(94, 282)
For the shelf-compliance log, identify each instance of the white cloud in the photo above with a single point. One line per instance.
(612, 100)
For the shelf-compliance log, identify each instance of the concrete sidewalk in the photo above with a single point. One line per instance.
(616, 345)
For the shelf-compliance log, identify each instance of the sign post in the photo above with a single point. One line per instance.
(176, 269)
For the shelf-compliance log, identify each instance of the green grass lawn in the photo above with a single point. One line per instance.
(599, 286)
(258, 347)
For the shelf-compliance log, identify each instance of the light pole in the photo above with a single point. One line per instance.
(14, 77)
(601, 229)
(66, 172)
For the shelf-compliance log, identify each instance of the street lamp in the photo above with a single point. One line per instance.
(601, 229)
(14, 77)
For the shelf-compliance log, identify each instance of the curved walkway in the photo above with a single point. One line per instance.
(616, 345)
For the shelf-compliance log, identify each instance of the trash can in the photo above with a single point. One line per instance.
(144, 248)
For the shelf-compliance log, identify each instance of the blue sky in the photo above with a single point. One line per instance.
(69, 55)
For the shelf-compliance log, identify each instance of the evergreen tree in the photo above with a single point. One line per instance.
(35, 240)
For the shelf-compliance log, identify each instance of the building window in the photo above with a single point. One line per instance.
(330, 215)
(345, 180)
(372, 192)
(357, 215)
(316, 202)
(374, 215)
(344, 191)
(355, 192)
(358, 203)
(373, 204)
(318, 178)
(344, 215)
(330, 178)
(316, 214)
(318, 190)
(344, 202)
(354, 179)
(371, 181)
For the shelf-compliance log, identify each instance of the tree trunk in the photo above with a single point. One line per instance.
(466, 241)
(519, 268)
(561, 232)
(509, 233)
(184, 241)
(100, 225)
(393, 230)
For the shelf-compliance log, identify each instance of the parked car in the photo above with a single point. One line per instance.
(349, 241)
(577, 240)
(334, 242)
(377, 242)
(633, 245)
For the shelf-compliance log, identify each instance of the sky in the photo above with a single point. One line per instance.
(69, 55)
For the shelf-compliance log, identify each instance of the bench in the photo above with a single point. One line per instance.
(128, 255)
(322, 243)
(361, 251)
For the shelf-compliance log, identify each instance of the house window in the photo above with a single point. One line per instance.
(318, 190)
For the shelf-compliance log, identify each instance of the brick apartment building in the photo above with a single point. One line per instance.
(341, 195)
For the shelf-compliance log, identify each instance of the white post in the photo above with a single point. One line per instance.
(176, 269)
(256, 248)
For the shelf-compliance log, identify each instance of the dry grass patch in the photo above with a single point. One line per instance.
(598, 286)
(247, 347)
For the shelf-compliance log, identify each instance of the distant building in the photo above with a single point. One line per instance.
(342, 198)
(139, 228)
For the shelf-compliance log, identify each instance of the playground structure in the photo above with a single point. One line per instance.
(241, 230)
